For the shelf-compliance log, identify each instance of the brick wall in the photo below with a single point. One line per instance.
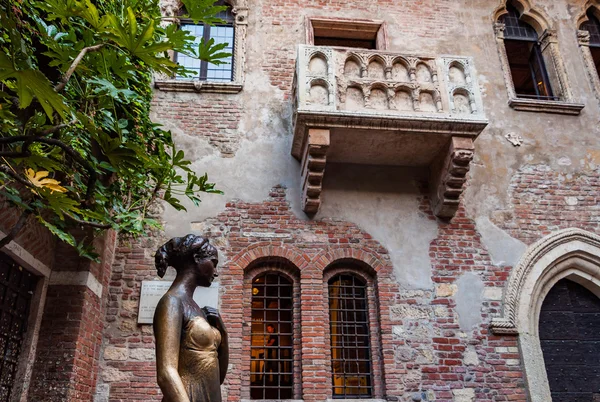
(545, 201)
(418, 347)
(211, 117)
(66, 364)
(34, 238)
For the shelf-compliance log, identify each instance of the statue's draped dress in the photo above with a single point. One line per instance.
(198, 361)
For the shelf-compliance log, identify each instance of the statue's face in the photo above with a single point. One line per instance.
(207, 269)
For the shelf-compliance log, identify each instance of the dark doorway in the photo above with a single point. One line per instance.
(570, 338)
(16, 290)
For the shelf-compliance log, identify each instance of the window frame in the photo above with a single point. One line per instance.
(203, 73)
(239, 10)
(585, 44)
(358, 29)
(267, 357)
(368, 275)
(289, 271)
(557, 75)
(368, 375)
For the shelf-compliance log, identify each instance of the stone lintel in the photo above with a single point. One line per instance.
(449, 175)
(314, 159)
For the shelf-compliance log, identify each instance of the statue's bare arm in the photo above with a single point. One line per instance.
(168, 320)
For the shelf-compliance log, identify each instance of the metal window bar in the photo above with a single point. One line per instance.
(592, 25)
(350, 338)
(515, 28)
(272, 343)
(16, 290)
(221, 33)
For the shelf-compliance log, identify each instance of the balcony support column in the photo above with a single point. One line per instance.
(449, 175)
(314, 158)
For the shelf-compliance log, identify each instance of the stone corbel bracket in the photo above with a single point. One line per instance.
(314, 159)
(449, 175)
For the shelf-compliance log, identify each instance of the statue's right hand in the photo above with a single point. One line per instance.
(214, 318)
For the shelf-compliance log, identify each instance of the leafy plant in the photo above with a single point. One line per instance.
(77, 146)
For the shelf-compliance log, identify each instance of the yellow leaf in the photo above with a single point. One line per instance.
(39, 179)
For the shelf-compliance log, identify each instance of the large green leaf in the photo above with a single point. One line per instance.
(30, 84)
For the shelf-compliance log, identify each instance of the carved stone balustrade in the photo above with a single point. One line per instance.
(382, 108)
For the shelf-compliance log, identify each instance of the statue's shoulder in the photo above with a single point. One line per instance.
(170, 302)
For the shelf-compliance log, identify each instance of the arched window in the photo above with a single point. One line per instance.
(569, 331)
(527, 66)
(350, 337)
(221, 33)
(592, 26)
(272, 343)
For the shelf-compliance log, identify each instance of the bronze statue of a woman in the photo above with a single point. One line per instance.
(192, 350)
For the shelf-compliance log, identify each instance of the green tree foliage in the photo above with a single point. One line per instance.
(77, 146)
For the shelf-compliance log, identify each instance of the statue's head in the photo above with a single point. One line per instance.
(189, 252)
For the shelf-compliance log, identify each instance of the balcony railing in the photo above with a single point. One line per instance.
(415, 105)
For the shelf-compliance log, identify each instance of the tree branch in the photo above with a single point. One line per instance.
(87, 223)
(63, 83)
(16, 229)
(8, 171)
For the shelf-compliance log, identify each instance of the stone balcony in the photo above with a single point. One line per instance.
(382, 108)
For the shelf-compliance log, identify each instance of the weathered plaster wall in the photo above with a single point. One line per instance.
(447, 278)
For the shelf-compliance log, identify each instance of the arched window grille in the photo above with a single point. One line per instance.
(592, 25)
(527, 66)
(221, 33)
(272, 354)
(350, 337)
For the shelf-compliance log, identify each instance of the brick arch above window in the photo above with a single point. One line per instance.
(264, 251)
(560, 100)
(362, 257)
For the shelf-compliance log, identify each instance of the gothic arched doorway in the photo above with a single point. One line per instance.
(569, 331)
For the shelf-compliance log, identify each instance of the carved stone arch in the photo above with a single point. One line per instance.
(535, 17)
(320, 55)
(320, 82)
(377, 102)
(582, 17)
(375, 60)
(359, 60)
(571, 253)
(467, 94)
(462, 67)
(583, 38)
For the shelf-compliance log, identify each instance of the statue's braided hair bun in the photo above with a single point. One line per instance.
(178, 249)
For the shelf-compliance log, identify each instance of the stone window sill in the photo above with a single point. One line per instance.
(546, 106)
(198, 86)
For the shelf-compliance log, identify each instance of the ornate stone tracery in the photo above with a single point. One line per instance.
(583, 38)
(551, 52)
(573, 254)
(393, 95)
